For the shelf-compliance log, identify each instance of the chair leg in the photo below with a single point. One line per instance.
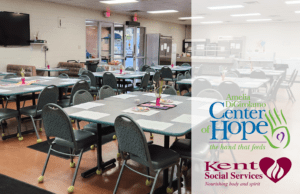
(77, 124)
(119, 178)
(292, 94)
(72, 164)
(41, 178)
(37, 134)
(155, 180)
(148, 180)
(178, 179)
(170, 188)
(19, 129)
(41, 125)
(3, 131)
(71, 188)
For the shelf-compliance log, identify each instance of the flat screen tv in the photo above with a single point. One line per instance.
(14, 29)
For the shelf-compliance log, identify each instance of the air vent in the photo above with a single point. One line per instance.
(251, 2)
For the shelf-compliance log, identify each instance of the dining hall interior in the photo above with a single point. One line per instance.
(106, 96)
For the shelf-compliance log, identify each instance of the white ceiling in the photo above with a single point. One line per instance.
(183, 6)
(276, 10)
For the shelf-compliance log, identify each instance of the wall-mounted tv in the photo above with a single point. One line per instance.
(14, 29)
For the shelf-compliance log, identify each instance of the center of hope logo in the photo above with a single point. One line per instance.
(276, 122)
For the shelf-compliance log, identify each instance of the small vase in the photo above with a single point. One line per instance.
(157, 101)
(23, 80)
(121, 71)
(172, 65)
(48, 66)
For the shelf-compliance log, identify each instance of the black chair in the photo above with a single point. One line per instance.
(168, 90)
(57, 124)
(48, 95)
(80, 85)
(187, 75)
(83, 96)
(154, 157)
(258, 74)
(105, 92)
(229, 88)
(6, 113)
(181, 87)
(200, 84)
(93, 86)
(167, 75)
(144, 84)
(288, 84)
(129, 69)
(145, 67)
(100, 69)
(110, 80)
(65, 89)
(185, 65)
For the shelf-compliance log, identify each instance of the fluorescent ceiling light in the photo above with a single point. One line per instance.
(259, 20)
(119, 1)
(226, 7)
(297, 11)
(89, 21)
(247, 14)
(212, 22)
(190, 18)
(163, 11)
(90, 25)
(292, 2)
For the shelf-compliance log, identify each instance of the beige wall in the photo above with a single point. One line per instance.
(68, 42)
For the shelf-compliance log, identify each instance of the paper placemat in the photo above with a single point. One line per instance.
(153, 94)
(1, 90)
(90, 115)
(124, 96)
(202, 99)
(88, 105)
(189, 119)
(154, 124)
(35, 88)
(149, 113)
(174, 102)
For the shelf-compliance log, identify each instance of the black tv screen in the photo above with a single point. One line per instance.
(14, 29)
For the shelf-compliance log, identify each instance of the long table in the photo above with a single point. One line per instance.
(175, 68)
(172, 122)
(268, 72)
(245, 83)
(9, 87)
(124, 75)
(52, 70)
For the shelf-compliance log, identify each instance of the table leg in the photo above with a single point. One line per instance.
(48, 73)
(33, 98)
(101, 166)
(60, 95)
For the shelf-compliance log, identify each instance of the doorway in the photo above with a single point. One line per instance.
(135, 46)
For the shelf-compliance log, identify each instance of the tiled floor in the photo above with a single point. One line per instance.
(26, 164)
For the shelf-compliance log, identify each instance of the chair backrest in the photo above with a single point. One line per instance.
(168, 90)
(258, 74)
(236, 72)
(86, 78)
(294, 78)
(186, 64)
(229, 87)
(81, 70)
(91, 76)
(105, 92)
(57, 123)
(198, 70)
(132, 140)
(145, 80)
(156, 77)
(48, 95)
(63, 75)
(145, 67)
(150, 70)
(110, 80)
(231, 74)
(187, 75)
(200, 84)
(10, 76)
(210, 93)
(129, 69)
(80, 85)
(100, 69)
(82, 96)
(166, 72)
(180, 76)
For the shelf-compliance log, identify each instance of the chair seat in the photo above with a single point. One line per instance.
(106, 129)
(169, 79)
(8, 113)
(64, 103)
(83, 139)
(30, 111)
(183, 147)
(162, 157)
